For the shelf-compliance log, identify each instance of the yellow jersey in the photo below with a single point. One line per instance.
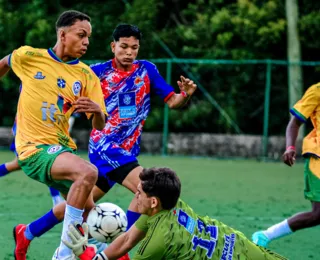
(309, 107)
(49, 88)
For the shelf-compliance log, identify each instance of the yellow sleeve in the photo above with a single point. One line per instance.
(94, 92)
(18, 59)
(141, 223)
(307, 104)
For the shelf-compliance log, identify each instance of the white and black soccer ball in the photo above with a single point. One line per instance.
(106, 221)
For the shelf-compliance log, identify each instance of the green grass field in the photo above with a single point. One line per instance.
(246, 195)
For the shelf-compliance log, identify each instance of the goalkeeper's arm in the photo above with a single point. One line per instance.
(122, 245)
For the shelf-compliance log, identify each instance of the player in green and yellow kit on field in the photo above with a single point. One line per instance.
(171, 230)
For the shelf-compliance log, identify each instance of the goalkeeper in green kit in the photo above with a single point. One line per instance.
(170, 229)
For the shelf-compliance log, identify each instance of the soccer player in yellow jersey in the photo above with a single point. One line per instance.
(307, 107)
(54, 85)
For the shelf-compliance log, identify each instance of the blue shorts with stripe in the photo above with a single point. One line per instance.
(113, 163)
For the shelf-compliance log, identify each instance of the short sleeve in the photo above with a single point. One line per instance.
(98, 69)
(158, 85)
(141, 223)
(307, 104)
(18, 59)
(94, 92)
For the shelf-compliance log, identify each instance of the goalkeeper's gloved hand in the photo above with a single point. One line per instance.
(79, 238)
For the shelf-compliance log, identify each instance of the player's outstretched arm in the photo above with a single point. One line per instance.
(4, 66)
(187, 88)
(123, 244)
(291, 137)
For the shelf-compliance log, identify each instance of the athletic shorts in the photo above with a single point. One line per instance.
(114, 164)
(38, 165)
(312, 179)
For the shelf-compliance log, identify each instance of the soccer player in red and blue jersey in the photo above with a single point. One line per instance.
(127, 85)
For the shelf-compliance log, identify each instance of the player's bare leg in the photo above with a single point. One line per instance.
(13, 165)
(296, 222)
(83, 175)
(8, 167)
(305, 219)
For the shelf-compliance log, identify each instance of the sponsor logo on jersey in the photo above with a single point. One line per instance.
(54, 149)
(127, 105)
(185, 220)
(76, 88)
(227, 252)
(39, 75)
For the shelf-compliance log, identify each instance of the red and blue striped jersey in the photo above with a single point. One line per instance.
(127, 99)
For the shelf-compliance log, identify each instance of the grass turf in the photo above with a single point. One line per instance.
(247, 195)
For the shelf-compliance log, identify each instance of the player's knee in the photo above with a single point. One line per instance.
(132, 180)
(89, 176)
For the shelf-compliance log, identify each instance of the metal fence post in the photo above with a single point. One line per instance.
(266, 109)
(165, 132)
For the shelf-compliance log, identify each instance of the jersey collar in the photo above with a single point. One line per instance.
(55, 57)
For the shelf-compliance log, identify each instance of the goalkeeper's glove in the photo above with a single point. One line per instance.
(79, 239)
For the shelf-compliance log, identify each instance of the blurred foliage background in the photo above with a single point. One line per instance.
(197, 29)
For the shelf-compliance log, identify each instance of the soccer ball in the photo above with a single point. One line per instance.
(106, 221)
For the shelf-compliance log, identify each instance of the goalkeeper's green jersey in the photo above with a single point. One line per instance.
(180, 234)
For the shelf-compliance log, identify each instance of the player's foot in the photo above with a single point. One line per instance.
(21, 242)
(260, 239)
(125, 257)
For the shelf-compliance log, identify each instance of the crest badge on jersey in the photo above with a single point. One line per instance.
(139, 82)
(54, 149)
(61, 82)
(76, 88)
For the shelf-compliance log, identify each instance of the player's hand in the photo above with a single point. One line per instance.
(86, 105)
(187, 85)
(289, 156)
(79, 238)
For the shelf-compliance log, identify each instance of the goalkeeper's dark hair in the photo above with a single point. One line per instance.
(68, 18)
(162, 183)
(126, 30)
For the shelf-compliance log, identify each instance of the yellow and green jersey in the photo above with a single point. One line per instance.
(181, 234)
(309, 107)
(49, 88)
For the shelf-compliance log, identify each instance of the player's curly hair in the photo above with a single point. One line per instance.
(69, 17)
(162, 183)
(126, 30)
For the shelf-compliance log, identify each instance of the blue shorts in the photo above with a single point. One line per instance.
(13, 147)
(114, 164)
